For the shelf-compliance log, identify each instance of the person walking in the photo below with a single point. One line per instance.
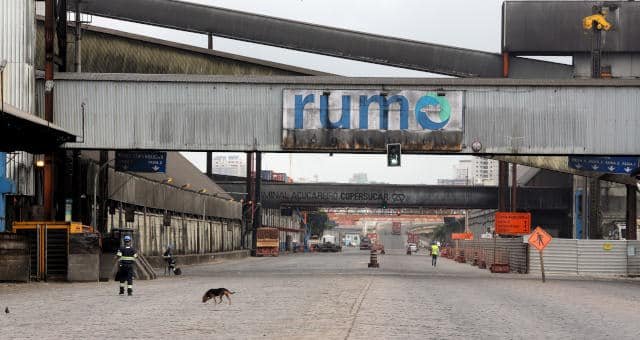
(127, 256)
(171, 262)
(435, 252)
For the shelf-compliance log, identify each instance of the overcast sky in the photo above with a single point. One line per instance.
(473, 24)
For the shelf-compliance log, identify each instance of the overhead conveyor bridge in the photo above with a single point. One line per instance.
(319, 39)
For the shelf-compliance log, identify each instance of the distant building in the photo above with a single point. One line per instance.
(359, 178)
(448, 181)
(477, 171)
(230, 165)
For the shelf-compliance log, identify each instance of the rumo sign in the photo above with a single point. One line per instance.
(367, 120)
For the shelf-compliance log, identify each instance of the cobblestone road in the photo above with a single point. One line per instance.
(327, 296)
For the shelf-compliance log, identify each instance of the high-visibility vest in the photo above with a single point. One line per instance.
(435, 250)
(127, 255)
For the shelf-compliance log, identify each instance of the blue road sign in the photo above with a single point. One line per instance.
(141, 161)
(614, 165)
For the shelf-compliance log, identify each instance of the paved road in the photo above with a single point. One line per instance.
(327, 296)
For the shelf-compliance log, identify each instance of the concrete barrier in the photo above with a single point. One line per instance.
(185, 260)
(14, 258)
(83, 267)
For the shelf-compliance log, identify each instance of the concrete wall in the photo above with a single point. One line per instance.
(83, 267)
(14, 258)
(182, 260)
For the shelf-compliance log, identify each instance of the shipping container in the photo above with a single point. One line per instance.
(279, 177)
(266, 175)
(396, 228)
(267, 241)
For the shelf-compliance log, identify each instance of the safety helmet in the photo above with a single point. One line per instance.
(127, 238)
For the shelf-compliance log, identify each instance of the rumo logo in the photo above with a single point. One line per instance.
(409, 110)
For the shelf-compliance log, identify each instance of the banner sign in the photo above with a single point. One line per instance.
(615, 165)
(371, 119)
(462, 236)
(141, 161)
(513, 223)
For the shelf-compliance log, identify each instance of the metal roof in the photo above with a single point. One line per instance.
(23, 131)
(165, 45)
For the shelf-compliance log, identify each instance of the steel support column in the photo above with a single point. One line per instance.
(209, 164)
(257, 216)
(78, 40)
(632, 213)
(503, 185)
(49, 33)
(247, 202)
(514, 186)
(593, 206)
(103, 189)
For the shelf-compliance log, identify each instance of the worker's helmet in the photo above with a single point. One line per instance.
(127, 238)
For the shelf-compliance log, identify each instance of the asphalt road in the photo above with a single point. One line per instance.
(327, 296)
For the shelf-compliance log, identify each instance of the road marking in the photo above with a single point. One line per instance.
(356, 307)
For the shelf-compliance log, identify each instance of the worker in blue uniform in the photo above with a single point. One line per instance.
(127, 256)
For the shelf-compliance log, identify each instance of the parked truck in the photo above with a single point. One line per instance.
(267, 242)
(413, 238)
(329, 244)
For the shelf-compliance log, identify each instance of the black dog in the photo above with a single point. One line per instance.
(217, 293)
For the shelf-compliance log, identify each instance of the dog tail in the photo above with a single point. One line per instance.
(230, 292)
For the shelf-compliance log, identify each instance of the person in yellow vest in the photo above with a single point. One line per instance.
(435, 252)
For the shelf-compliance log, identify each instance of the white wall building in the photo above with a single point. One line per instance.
(477, 171)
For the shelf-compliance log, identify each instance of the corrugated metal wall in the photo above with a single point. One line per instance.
(17, 46)
(633, 259)
(186, 235)
(20, 169)
(169, 112)
(585, 257)
(594, 258)
(560, 257)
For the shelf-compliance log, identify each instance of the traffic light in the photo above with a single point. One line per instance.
(393, 154)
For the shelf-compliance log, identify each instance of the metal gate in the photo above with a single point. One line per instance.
(48, 244)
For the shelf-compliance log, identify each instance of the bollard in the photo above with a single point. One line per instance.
(373, 260)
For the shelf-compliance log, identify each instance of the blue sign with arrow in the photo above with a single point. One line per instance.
(614, 165)
(141, 161)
